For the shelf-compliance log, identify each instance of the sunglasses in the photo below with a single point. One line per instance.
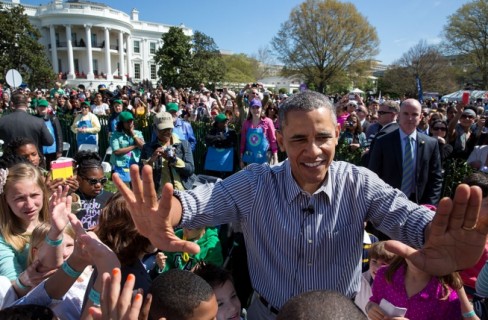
(93, 181)
(384, 112)
(439, 128)
(465, 116)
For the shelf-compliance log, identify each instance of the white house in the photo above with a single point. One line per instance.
(90, 43)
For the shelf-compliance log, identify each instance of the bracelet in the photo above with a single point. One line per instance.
(70, 271)
(469, 314)
(94, 296)
(19, 284)
(54, 243)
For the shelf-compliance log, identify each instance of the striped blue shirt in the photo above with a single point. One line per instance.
(291, 250)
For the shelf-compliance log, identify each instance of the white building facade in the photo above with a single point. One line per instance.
(90, 43)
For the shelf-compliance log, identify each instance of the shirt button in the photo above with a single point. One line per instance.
(310, 241)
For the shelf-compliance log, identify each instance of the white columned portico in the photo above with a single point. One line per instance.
(145, 59)
(129, 55)
(71, 63)
(108, 60)
(54, 49)
(121, 56)
(89, 75)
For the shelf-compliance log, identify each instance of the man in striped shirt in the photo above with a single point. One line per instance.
(303, 219)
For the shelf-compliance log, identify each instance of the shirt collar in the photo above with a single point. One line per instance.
(293, 189)
(403, 135)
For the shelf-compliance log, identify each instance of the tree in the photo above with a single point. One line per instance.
(467, 34)
(186, 61)
(424, 61)
(322, 38)
(174, 58)
(20, 49)
(265, 60)
(240, 68)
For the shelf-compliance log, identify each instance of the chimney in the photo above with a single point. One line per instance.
(134, 15)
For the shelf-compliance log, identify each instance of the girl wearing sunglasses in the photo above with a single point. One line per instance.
(90, 176)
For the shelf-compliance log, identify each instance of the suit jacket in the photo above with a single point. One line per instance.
(21, 124)
(386, 161)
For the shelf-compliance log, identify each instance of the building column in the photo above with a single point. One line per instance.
(129, 55)
(121, 56)
(145, 59)
(71, 63)
(89, 75)
(54, 49)
(108, 60)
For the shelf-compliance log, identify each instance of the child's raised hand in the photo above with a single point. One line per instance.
(117, 305)
(60, 208)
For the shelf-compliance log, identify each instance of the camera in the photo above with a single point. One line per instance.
(170, 154)
(349, 124)
(254, 85)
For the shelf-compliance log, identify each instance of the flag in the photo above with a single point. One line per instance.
(419, 89)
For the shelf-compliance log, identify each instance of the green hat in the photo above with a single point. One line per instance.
(118, 101)
(42, 103)
(86, 103)
(125, 116)
(172, 107)
(221, 118)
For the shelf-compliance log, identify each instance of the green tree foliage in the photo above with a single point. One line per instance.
(426, 62)
(207, 60)
(322, 38)
(174, 58)
(240, 68)
(186, 61)
(467, 34)
(20, 49)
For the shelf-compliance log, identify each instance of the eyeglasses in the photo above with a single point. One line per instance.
(439, 128)
(93, 181)
(465, 116)
(384, 112)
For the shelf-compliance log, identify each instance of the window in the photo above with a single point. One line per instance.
(77, 65)
(152, 48)
(137, 71)
(153, 71)
(94, 39)
(118, 69)
(57, 39)
(60, 69)
(74, 38)
(137, 48)
(95, 67)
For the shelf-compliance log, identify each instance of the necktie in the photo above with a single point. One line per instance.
(408, 174)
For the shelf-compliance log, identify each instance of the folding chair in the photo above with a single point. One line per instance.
(88, 147)
(107, 168)
(66, 147)
(108, 153)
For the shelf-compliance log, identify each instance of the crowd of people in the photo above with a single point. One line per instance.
(298, 226)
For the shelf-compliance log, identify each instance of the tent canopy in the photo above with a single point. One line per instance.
(357, 90)
(458, 95)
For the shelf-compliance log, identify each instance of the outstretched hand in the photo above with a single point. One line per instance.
(455, 238)
(154, 219)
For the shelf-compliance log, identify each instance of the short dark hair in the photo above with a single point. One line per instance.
(176, 294)
(320, 305)
(19, 99)
(305, 101)
(479, 179)
(27, 312)
(214, 275)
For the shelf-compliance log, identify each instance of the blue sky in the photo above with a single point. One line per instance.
(246, 26)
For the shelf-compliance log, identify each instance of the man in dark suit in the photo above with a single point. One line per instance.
(21, 124)
(415, 168)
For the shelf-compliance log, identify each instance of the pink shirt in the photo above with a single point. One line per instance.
(269, 132)
(425, 305)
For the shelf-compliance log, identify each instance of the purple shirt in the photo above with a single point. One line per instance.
(426, 304)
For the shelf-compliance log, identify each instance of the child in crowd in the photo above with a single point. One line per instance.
(223, 286)
(182, 295)
(424, 296)
(92, 197)
(320, 305)
(210, 249)
(378, 257)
